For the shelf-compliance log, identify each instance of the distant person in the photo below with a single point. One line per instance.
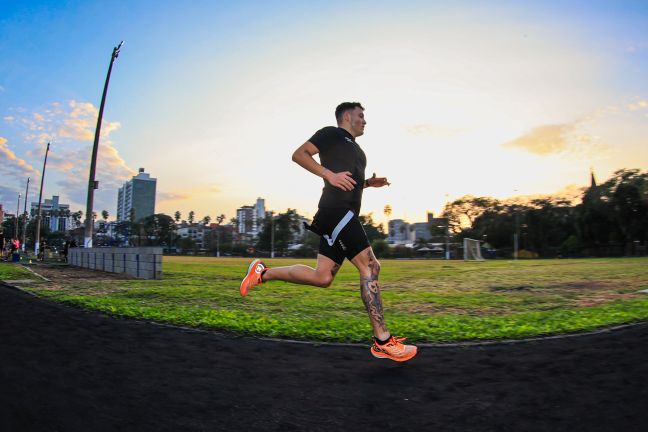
(336, 222)
(66, 248)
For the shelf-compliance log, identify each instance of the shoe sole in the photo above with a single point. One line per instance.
(400, 360)
(244, 289)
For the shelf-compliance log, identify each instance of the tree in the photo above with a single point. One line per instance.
(104, 215)
(206, 220)
(177, 216)
(463, 211)
(158, 229)
(373, 230)
(77, 216)
(192, 214)
(286, 228)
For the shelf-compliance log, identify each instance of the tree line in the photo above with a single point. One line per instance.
(610, 220)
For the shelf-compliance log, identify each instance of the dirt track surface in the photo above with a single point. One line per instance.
(64, 369)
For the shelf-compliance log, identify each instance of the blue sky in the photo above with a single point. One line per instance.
(482, 98)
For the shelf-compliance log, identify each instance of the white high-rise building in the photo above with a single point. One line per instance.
(249, 217)
(137, 195)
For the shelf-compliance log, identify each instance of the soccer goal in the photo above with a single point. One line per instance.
(472, 251)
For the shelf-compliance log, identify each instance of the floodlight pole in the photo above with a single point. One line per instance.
(24, 238)
(272, 252)
(17, 210)
(447, 233)
(92, 184)
(516, 236)
(40, 200)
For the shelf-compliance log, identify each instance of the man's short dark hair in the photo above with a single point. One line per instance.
(344, 107)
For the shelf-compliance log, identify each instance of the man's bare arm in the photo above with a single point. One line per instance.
(303, 156)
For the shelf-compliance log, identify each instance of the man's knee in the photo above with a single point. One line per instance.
(324, 279)
(374, 267)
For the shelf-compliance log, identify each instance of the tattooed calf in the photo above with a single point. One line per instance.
(370, 292)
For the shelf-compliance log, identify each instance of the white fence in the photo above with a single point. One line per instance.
(141, 262)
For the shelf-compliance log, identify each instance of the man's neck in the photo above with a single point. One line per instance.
(348, 129)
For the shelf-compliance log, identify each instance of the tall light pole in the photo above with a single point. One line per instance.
(447, 233)
(17, 210)
(24, 238)
(40, 200)
(92, 183)
(272, 254)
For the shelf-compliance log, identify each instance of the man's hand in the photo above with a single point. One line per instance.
(377, 181)
(341, 180)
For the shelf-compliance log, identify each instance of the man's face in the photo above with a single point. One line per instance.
(357, 121)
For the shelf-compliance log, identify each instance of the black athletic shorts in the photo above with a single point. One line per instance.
(341, 234)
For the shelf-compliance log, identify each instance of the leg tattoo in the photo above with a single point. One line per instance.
(370, 292)
(335, 269)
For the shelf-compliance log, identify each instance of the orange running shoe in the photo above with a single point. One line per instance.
(253, 276)
(394, 349)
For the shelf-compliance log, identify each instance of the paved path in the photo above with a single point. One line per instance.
(63, 369)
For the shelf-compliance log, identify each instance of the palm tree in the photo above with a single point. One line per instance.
(177, 216)
(387, 212)
(192, 214)
(206, 220)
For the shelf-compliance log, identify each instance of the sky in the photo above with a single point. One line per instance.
(484, 98)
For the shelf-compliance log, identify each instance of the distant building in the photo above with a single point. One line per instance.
(249, 218)
(1, 214)
(55, 215)
(137, 196)
(196, 232)
(399, 232)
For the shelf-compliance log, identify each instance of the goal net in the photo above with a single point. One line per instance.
(471, 250)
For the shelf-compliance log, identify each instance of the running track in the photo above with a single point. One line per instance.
(64, 369)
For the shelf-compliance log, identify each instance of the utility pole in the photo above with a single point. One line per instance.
(24, 238)
(447, 233)
(17, 220)
(40, 200)
(92, 183)
(272, 254)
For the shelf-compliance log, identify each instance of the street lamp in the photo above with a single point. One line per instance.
(447, 238)
(24, 238)
(272, 254)
(17, 210)
(92, 183)
(40, 200)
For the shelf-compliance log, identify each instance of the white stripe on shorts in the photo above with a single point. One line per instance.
(336, 231)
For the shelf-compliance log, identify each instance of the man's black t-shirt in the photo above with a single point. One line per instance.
(339, 152)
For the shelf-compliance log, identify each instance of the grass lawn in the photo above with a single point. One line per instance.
(14, 272)
(431, 301)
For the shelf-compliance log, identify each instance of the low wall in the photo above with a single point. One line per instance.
(141, 262)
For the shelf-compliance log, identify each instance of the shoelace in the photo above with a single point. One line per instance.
(397, 342)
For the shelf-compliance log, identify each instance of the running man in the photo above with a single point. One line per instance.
(336, 222)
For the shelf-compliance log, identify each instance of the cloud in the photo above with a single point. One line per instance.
(9, 119)
(638, 105)
(8, 195)
(11, 165)
(637, 47)
(433, 131)
(70, 127)
(81, 122)
(544, 140)
(171, 196)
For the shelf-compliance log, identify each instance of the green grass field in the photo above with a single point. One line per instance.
(431, 301)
